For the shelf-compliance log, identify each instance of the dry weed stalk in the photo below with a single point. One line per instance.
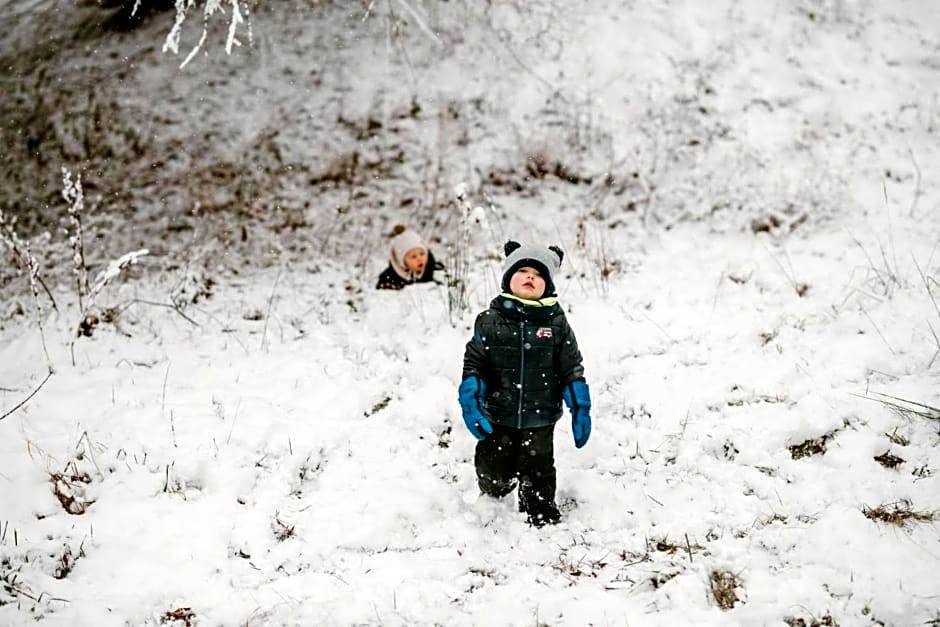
(457, 300)
(89, 319)
(23, 254)
(936, 308)
(75, 197)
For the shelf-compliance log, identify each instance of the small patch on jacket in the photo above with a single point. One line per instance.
(544, 332)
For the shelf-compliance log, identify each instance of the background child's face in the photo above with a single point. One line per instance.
(527, 283)
(416, 259)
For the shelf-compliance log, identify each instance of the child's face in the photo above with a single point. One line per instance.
(527, 283)
(416, 259)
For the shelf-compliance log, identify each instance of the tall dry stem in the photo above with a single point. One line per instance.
(75, 197)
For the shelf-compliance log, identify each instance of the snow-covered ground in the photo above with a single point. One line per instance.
(755, 258)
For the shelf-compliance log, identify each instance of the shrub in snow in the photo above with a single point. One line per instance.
(90, 315)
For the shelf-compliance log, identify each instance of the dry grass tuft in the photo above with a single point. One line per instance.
(815, 446)
(905, 408)
(572, 570)
(898, 513)
(282, 531)
(888, 460)
(687, 547)
(724, 585)
(897, 438)
(67, 561)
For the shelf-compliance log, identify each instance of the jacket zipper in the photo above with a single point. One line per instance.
(521, 370)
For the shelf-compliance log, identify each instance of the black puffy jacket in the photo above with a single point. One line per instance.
(526, 355)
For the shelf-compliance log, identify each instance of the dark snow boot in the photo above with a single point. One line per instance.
(549, 515)
(539, 503)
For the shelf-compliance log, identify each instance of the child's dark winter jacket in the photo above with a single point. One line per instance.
(526, 354)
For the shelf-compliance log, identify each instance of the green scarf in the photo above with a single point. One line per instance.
(545, 302)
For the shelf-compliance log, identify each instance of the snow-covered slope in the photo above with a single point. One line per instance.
(752, 237)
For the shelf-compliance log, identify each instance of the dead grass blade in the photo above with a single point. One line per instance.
(903, 406)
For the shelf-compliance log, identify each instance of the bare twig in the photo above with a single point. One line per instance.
(421, 23)
(877, 330)
(501, 37)
(225, 328)
(264, 332)
(871, 263)
(33, 276)
(923, 278)
(166, 375)
(917, 181)
(141, 301)
(891, 274)
(31, 394)
(799, 288)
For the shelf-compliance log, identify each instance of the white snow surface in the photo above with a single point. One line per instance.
(298, 458)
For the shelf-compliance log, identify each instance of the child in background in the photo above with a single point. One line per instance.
(522, 361)
(410, 261)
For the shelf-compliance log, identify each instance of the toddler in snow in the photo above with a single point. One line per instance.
(522, 361)
(410, 261)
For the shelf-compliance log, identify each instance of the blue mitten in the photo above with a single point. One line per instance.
(578, 399)
(471, 394)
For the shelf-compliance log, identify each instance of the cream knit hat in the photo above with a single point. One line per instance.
(404, 240)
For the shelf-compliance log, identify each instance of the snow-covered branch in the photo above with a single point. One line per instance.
(237, 20)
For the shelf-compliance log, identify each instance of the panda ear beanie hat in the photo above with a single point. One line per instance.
(546, 260)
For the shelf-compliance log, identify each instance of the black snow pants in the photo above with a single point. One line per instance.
(526, 456)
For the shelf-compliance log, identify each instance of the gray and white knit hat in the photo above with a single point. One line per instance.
(545, 259)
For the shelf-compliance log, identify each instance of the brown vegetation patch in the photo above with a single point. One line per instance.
(825, 620)
(70, 490)
(814, 446)
(665, 546)
(898, 513)
(185, 615)
(723, 586)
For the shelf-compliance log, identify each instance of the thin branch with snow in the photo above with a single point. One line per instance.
(210, 7)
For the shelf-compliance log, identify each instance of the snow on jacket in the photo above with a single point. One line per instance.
(526, 353)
